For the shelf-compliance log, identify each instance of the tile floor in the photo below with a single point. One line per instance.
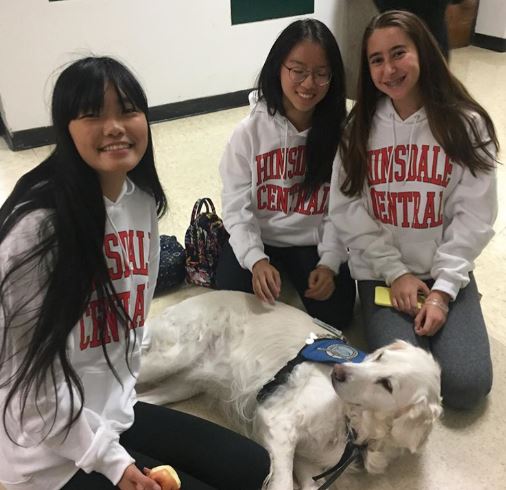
(467, 451)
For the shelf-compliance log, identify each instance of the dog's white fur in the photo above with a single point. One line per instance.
(229, 344)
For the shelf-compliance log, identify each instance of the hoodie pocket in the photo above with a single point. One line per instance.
(418, 256)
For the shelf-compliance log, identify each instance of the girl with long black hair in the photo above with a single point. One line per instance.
(276, 172)
(79, 254)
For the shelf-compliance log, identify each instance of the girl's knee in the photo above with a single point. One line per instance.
(251, 472)
(465, 393)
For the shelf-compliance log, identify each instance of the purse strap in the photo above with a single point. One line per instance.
(197, 208)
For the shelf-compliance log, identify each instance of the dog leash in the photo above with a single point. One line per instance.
(333, 330)
(351, 453)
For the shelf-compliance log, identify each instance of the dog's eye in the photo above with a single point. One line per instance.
(379, 357)
(385, 382)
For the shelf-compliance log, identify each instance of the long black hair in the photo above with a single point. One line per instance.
(329, 114)
(71, 236)
(449, 106)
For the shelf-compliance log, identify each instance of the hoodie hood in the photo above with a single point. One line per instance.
(127, 189)
(259, 106)
(386, 111)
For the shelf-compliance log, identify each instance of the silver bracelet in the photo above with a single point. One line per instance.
(438, 303)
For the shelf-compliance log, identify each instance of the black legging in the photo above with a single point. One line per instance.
(205, 455)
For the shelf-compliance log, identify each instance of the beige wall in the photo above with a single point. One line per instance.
(492, 18)
(180, 49)
(358, 13)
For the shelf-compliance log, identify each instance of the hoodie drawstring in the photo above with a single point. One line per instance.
(127, 191)
(126, 261)
(391, 157)
(410, 144)
(394, 145)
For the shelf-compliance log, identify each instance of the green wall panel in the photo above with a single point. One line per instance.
(244, 11)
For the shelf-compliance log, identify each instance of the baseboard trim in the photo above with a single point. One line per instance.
(489, 42)
(29, 138)
(32, 138)
(203, 105)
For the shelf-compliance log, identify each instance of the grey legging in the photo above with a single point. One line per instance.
(461, 346)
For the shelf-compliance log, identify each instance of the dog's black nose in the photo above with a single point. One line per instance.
(339, 373)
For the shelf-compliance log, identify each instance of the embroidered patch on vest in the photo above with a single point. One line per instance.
(334, 351)
(318, 349)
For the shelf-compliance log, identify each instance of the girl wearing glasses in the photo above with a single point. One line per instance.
(414, 196)
(276, 179)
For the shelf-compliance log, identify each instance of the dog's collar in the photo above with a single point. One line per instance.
(352, 452)
(326, 349)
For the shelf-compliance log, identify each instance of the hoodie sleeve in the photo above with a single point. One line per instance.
(470, 211)
(236, 199)
(331, 250)
(359, 231)
(90, 443)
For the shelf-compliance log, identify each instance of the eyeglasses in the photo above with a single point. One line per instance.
(298, 75)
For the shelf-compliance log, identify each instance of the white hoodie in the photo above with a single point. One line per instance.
(432, 219)
(32, 462)
(262, 202)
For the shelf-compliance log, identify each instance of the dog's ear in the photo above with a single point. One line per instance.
(411, 429)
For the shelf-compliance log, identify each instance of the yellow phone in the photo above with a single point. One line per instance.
(382, 297)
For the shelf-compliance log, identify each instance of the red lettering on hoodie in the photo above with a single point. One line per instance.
(389, 206)
(110, 241)
(423, 165)
(312, 207)
(140, 266)
(280, 199)
(433, 218)
(435, 177)
(130, 243)
(422, 173)
(261, 170)
(281, 163)
(420, 208)
(92, 316)
(138, 316)
(400, 155)
(299, 201)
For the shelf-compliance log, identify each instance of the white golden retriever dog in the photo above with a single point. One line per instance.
(229, 345)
